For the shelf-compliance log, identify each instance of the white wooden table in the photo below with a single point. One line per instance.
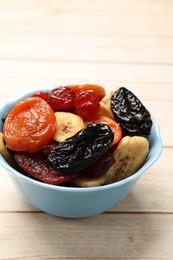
(44, 44)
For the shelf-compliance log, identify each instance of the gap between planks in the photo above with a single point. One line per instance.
(169, 64)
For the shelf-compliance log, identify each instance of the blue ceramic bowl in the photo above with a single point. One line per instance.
(74, 202)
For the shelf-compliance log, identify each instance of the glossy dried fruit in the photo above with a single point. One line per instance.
(87, 104)
(30, 125)
(41, 94)
(81, 150)
(99, 90)
(37, 167)
(61, 98)
(115, 127)
(129, 111)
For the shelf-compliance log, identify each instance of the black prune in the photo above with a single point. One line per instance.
(129, 111)
(81, 150)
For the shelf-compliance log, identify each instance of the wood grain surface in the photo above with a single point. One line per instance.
(44, 44)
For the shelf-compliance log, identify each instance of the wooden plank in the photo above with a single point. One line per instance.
(155, 7)
(152, 193)
(89, 18)
(28, 74)
(48, 43)
(108, 236)
(86, 48)
(10, 200)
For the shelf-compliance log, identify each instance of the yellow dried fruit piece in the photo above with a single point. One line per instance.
(68, 124)
(89, 182)
(129, 154)
(3, 150)
(105, 109)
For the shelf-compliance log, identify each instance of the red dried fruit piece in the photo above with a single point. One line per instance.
(49, 147)
(87, 104)
(100, 167)
(61, 98)
(36, 165)
(99, 90)
(41, 94)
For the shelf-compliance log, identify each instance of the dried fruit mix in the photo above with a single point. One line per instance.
(76, 134)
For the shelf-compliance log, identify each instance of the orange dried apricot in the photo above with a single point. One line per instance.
(30, 125)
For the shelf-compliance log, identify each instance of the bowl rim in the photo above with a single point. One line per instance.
(148, 163)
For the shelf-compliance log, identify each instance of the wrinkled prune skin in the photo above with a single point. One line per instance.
(129, 111)
(81, 150)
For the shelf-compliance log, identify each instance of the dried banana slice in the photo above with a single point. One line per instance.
(105, 108)
(129, 155)
(89, 182)
(68, 124)
(4, 151)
